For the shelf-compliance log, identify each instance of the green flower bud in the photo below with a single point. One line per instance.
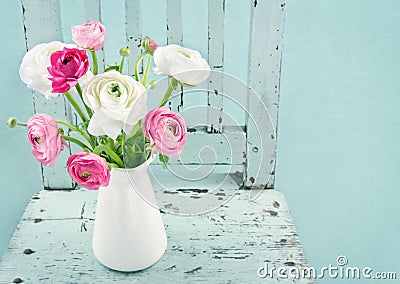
(61, 131)
(144, 42)
(103, 140)
(124, 51)
(12, 122)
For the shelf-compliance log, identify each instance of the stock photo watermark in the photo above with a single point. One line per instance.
(339, 270)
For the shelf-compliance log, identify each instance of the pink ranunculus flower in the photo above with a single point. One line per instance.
(67, 66)
(45, 139)
(90, 35)
(88, 170)
(166, 130)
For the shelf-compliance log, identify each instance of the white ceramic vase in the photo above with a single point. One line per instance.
(129, 233)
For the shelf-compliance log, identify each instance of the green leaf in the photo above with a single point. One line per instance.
(120, 139)
(134, 148)
(112, 165)
(164, 160)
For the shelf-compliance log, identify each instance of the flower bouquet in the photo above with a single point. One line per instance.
(116, 133)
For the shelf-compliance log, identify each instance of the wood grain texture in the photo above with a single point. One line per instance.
(52, 243)
(36, 16)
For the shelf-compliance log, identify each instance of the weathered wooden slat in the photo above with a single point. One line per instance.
(175, 36)
(133, 32)
(227, 245)
(68, 8)
(113, 16)
(93, 13)
(174, 22)
(216, 16)
(42, 24)
(264, 78)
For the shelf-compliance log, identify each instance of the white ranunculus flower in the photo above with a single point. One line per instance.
(33, 69)
(118, 102)
(184, 64)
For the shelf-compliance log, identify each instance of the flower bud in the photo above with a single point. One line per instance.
(143, 42)
(102, 140)
(124, 51)
(12, 122)
(61, 131)
(148, 44)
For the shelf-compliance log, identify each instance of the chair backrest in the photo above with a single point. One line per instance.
(242, 41)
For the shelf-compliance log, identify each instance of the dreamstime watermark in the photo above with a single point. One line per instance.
(340, 270)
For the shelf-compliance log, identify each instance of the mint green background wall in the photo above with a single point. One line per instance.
(338, 140)
(20, 174)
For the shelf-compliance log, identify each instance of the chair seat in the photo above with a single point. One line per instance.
(52, 243)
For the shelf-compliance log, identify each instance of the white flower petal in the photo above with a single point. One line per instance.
(95, 126)
(100, 124)
(184, 64)
(112, 127)
(119, 99)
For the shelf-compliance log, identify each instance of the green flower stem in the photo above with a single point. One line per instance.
(76, 141)
(90, 138)
(77, 131)
(172, 86)
(121, 66)
(137, 66)
(144, 150)
(111, 153)
(94, 62)
(79, 90)
(76, 106)
(22, 124)
(146, 70)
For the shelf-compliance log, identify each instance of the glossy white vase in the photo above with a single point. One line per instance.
(129, 233)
